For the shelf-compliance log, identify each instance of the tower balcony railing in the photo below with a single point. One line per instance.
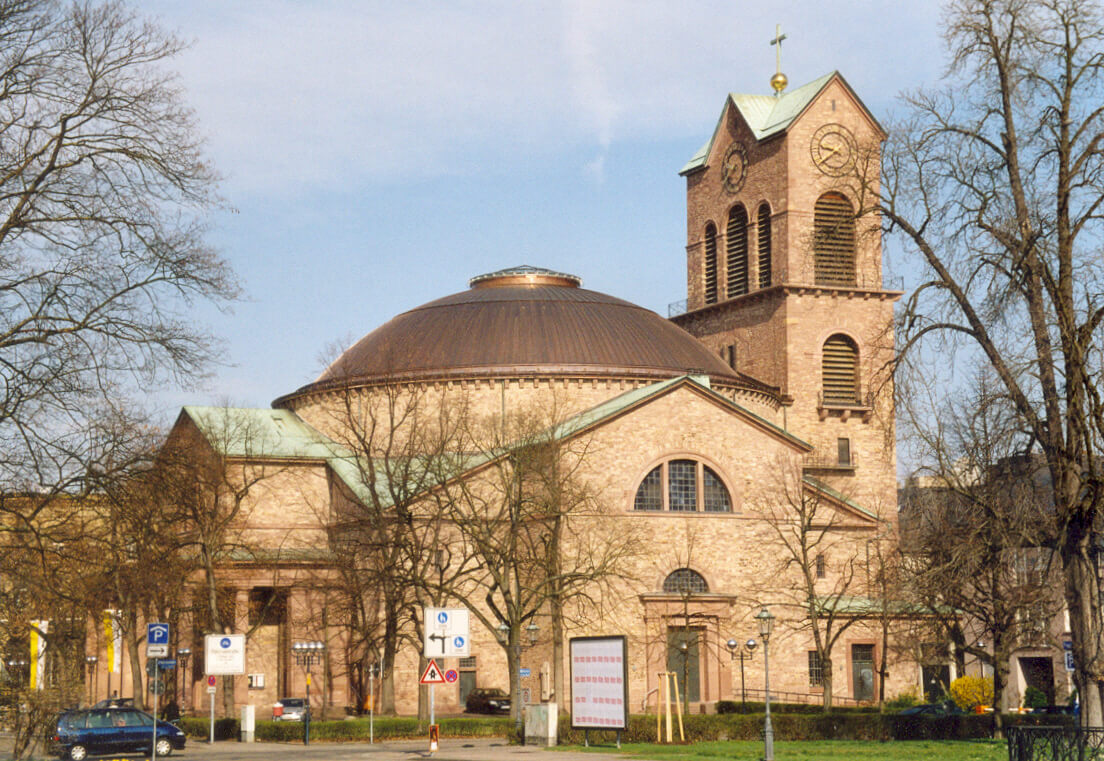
(845, 407)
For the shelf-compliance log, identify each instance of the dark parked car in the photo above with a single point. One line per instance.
(289, 709)
(97, 731)
(487, 700)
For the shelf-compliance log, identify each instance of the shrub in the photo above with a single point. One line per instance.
(969, 692)
(902, 701)
(225, 729)
(1035, 698)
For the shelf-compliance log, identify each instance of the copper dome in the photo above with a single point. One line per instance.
(523, 321)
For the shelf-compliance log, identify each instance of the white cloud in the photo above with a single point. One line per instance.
(304, 96)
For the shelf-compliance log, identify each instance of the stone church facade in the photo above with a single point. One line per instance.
(705, 433)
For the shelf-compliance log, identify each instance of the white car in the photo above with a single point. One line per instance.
(289, 709)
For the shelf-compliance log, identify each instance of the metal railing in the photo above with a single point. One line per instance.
(1055, 743)
(811, 698)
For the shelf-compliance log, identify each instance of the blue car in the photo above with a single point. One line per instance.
(100, 731)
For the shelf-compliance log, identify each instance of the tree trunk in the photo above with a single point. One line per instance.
(1083, 600)
(826, 681)
(559, 694)
(130, 633)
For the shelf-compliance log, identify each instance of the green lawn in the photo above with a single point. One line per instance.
(826, 750)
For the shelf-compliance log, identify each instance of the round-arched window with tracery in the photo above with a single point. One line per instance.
(685, 581)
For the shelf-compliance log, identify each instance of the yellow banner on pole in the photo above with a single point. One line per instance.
(38, 654)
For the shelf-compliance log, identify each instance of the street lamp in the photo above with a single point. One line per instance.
(744, 652)
(307, 654)
(183, 654)
(91, 661)
(502, 633)
(766, 623)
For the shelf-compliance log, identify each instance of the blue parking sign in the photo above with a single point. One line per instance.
(157, 634)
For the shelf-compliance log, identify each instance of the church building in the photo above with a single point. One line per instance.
(739, 455)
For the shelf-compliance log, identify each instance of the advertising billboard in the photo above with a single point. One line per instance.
(599, 682)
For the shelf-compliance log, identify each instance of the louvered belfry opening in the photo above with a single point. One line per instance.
(710, 264)
(834, 240)
(840, 370)
(736, 251)
(763, 227)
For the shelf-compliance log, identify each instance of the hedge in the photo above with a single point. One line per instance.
(386, 727)
(840, 724)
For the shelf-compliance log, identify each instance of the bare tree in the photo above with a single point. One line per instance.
(997, 183)
(527, 530)
(979, 524)
(103, 193)
(398, 442)
(825, 566)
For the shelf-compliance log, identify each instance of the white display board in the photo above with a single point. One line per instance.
(224, 654)
(446, 633)
(599, 682)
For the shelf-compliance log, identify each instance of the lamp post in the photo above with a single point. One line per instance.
(744, 652)
(503, 636)
(766, 623)
(182, 655)
(307, 654)
(90, 661)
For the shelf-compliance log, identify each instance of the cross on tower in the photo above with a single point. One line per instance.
(778, 81)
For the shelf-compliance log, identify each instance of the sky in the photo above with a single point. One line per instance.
(377, 155)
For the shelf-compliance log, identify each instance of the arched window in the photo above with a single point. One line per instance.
(736, 252)
(710, 264)
(685, 580)
(839, 364)
(834, 240)
(650, 494)
(763, 228)
(683, 486)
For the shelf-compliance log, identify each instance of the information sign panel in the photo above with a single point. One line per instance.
(157, 640)
(446, 633)
(225, 654)
(599, 682)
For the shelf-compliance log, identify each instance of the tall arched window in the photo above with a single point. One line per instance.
(834, 240)
(710, 264)
(685, 580)
(736, 252)
(683, 486)
(840, 364)
(763, 228)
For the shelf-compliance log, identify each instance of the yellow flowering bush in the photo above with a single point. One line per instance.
(969, 692)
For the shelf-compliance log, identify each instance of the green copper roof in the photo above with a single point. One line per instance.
(264, 433)
(767, 115)
(821, 486)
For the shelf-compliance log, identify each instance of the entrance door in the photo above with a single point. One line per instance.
(862, 671)
(684, 662)
(937, 680)
(467, 684)
(1039, 673)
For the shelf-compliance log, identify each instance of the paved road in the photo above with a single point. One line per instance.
(404, 750)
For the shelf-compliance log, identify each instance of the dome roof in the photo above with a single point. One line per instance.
(526, 321)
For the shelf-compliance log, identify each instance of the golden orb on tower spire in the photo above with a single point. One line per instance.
(778, 82)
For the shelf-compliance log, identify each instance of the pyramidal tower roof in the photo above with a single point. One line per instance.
(768, 115)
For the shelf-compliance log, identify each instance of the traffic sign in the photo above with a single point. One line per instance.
(524, 672)
(446, 633)
(432, 674)
(157, 634)
(212, 690)
(211, 681)
(166, 665)
(157, 640)
(451, 676)
(225, 654)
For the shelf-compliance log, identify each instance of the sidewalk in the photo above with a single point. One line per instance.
(458, 749)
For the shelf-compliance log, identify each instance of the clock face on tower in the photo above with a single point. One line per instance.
(833, 149)
(734, 167)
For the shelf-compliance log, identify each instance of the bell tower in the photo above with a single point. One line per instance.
(784, 270)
